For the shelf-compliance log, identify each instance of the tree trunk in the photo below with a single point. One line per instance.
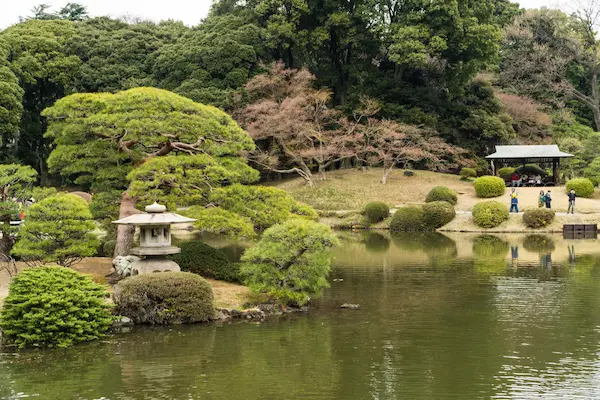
(125, 232)
(386, 172)
(321, 172)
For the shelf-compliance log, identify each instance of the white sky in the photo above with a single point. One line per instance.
(188, 11)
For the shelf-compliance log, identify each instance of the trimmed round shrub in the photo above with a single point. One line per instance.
(437, 214)
(490, 214)
(442, 193)
(506, 173)
(467, 173)
(202, 259)
(376, 211)
(409, 218)
(583, 187)
(538, 217)
(54, 307)
(531, 169)
(489, 186)
(164, 298)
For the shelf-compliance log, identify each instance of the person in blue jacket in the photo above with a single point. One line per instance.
(514, 201)
(548, 200)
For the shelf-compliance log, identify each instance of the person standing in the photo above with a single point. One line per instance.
(541, 199)
(572, 197)
(514, 201)
(548, 199)
(515, 179)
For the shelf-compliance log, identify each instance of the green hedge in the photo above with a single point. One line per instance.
(506, 173)
(442, 193)
(531, 169)
(583, 187)
(54, 307)
(538, 217)
(490, 214)
(202, 259)
(467, 173)
(489, 186)
(164, 298)
(437, 214)
(376, 211)
(409, 218)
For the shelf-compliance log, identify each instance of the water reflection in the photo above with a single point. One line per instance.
(441, 317)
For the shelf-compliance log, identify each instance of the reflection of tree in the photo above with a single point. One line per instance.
(439, 248)
(376, 242)
(60, 373)
(489, 254)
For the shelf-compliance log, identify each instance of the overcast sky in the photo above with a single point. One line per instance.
(188, 11)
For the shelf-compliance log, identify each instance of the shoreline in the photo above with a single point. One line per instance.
(463, 223)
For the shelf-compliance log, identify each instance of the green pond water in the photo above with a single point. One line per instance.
(441, 317)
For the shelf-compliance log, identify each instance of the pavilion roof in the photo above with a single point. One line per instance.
(528, 152)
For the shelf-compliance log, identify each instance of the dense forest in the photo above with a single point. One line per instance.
(321, 84)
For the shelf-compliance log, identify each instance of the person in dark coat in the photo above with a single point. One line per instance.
(548, 200)
(572, 197)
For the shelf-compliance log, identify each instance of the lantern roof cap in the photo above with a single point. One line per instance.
(155, 215)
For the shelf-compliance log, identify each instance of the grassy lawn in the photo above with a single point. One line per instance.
(352, 189)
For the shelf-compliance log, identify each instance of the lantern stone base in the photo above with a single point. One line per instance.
(150, 265)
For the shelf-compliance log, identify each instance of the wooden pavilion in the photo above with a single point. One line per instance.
(528, 154)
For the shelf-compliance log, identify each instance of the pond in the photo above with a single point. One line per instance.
(441, 317)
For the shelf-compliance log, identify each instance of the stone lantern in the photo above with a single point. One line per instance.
(155, 239)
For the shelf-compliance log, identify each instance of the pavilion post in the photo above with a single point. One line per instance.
(554, 170)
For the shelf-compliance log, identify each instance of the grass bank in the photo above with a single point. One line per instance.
(352, 189)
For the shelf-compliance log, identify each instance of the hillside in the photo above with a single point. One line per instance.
(352, 189)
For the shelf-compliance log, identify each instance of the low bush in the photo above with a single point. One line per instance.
(437, 214)
(409, 218)
(57, 230)
(538, 217)
(305, 211)
(164, 298)
(202, 259)
(489, 186)
(467, 173)
(291, 261)
(409, 173)
(442, 193)
(490, 214)
(506, 173)
(376, 211)
(531, 169)
(583, 187)
(53, 307)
